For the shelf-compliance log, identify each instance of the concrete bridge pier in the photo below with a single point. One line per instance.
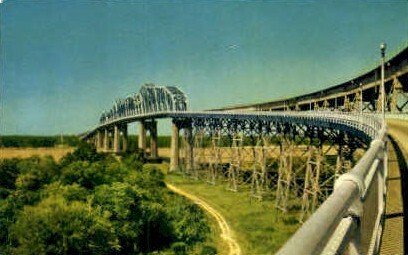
(106, 140)
(188, 132)
(116, 141)
(142, 137)
(124, 138)
(94, 140)
(152, 126)
(175, 153)
(98, 143)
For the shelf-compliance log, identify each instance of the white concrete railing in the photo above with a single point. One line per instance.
(351, 218)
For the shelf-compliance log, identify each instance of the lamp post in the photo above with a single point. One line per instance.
(361, 98)
(383, 47)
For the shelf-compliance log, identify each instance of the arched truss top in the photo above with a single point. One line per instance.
(149, 99)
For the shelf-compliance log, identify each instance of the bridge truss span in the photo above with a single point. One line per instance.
(149, 99)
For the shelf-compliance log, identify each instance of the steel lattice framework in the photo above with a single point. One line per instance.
(149, 99)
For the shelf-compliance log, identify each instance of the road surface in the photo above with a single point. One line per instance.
(396, 205)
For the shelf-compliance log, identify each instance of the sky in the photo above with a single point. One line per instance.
(64, 62)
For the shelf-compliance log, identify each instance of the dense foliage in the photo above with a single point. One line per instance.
(52, 141)
(37, 141)
(91, 203)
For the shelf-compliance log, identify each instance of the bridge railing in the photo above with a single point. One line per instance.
(350, 220)
(400, 116)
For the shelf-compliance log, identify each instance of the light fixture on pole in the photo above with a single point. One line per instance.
(383, 47)
(361, 98)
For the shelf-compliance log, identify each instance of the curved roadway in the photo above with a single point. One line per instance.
(397, 183)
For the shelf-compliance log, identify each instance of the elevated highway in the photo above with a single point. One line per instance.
(343, 205)
(361, 93)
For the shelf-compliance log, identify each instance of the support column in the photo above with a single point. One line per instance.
(142, 137)
(153, 139)
(124, 138)
(95, 141)
(116, 134)
(174, 156)
(188, 132)
(98, 140)
(105, 141)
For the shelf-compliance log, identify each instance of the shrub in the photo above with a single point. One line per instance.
(179, 248)
(208, 250)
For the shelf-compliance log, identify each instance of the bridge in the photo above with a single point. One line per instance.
(327, 150)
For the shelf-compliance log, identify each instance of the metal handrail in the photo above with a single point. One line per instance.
(336, 225)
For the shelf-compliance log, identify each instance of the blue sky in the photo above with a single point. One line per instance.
(63, 62)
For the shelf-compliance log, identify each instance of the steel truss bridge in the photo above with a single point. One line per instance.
(326, 150)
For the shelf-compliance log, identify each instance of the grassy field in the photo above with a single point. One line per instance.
(56, 152)
(257, 226)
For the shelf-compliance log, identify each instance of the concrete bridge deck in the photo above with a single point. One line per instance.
(396, 206)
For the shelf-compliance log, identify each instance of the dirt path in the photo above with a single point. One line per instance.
(226, 233)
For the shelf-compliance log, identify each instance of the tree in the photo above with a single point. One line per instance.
(89, 175)
(83, 173)
(149, 178)
(36, 172)
(188, 221)
(57, 227)
(8, 175)
(140, 223)
(72, 192)
(84, 152)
